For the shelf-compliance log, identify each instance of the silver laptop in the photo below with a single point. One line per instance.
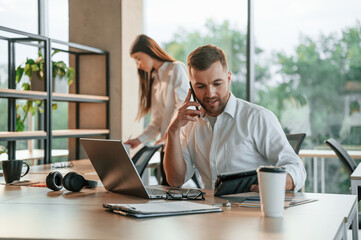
(116, 169)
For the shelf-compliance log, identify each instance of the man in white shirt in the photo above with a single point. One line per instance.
(230, 134)
(353, 120)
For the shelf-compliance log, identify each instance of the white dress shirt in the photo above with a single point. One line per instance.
(169, 89)
(244, 137)
(350, 121)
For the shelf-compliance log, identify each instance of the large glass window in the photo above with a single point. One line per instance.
(19, 14)
(23, 15)
(181, 26)
(307, 64)
(59, 20)
(311, 51)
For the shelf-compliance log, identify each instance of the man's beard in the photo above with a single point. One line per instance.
(215, 110)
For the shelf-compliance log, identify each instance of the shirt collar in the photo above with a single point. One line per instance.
(161, 70)
(231, 106)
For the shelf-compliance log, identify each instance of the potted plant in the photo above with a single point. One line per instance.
(3, 149)
(34, 69)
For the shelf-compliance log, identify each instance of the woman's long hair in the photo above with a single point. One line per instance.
(148, 46)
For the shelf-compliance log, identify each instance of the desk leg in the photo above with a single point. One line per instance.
(354, 191)
(315, 178)
(322, 175)
(354, 186)
(355, 222)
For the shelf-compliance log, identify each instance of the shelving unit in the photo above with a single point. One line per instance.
(48, 96)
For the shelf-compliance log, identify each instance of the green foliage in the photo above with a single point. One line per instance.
(3, 149)
(317, 72)
(230, 39)
(31, 106)
(59, 69)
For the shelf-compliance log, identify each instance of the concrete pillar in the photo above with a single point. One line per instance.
(111, 25)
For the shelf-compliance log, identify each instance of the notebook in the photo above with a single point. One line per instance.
(159, 209)
(116, 169)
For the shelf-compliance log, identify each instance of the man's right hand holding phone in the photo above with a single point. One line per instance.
(185, 115)
(174, 165)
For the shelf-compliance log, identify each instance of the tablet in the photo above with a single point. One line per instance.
(235, 182)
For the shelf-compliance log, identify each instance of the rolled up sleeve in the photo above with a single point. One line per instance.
(275, 147)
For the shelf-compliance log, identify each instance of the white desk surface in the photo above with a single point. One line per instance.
(31, 212)
(326, 153)
(356, 175)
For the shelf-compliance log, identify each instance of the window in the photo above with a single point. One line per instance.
(182, 26)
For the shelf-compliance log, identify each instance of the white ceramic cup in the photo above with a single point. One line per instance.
(272, 187)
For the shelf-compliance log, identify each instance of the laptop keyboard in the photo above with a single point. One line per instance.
(153, 191)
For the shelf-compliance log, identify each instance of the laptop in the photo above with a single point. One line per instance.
(116, 169)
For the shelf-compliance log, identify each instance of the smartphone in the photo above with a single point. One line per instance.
(194, 97)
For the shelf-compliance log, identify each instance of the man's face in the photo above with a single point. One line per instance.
(211, 87)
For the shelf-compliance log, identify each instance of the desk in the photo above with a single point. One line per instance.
(356, 180)
(29, 212)
(35, 154)
(322, 154)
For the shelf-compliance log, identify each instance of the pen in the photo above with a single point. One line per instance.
(120, 212)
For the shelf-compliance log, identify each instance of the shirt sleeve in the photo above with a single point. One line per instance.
(153, 128)
(190, 168)
(181, 84)
(272, 143)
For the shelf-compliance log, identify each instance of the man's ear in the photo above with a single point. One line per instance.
(229, 74)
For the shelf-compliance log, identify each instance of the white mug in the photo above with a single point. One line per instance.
(272, 187)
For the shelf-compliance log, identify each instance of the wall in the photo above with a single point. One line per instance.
(111, 25)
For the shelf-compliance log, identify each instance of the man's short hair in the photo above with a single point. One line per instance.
(203, 57)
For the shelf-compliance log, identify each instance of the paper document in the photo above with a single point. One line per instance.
(252, 199)
(154, 209)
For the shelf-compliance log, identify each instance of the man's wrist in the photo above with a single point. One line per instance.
(173, 131)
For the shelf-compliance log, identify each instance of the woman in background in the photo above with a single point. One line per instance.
(164, 85)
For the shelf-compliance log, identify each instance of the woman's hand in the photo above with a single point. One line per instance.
(133, 143)
(161, 140)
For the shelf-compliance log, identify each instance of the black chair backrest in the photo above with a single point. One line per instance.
(342, 154)
(296, 141)
(143, 156)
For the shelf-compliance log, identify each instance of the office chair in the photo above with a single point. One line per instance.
(296, 141)
(143, 156)
(346, 159)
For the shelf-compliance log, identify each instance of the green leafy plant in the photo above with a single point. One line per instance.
(59, 69)
(3, 149)
(28, 68)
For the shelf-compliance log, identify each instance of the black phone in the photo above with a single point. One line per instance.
(194, 96)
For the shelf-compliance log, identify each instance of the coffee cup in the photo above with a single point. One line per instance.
(12, 170)
(272, 187)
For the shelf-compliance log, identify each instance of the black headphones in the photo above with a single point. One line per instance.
(72, 181)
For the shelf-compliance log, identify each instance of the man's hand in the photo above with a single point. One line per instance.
(133, 143)
(184, 115)
(289, 185)
(174, 165)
